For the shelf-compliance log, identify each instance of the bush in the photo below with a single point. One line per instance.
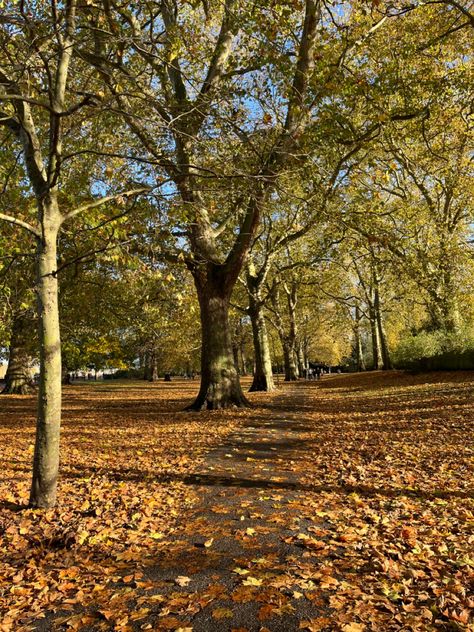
(129, 374)
(436, 351)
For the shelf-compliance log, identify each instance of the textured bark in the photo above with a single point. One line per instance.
(300, 359)
(18, 375)
(46, 456)
(289, 358)
(220, 384)
(263, 374)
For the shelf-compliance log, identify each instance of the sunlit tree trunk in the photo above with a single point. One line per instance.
(263, 374)
(153, 374)
(300, 359)
(46, 455)
(291, 370)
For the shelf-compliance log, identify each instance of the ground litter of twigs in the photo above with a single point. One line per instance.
(345, 504)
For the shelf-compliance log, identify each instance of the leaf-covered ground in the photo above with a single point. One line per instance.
(345, 504)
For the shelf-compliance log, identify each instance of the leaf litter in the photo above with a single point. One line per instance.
(346, 505)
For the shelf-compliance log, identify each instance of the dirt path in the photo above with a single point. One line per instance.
(233, 548)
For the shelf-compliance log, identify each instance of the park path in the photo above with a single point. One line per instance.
(237, 558)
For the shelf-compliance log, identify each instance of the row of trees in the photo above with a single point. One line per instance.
(303, 161)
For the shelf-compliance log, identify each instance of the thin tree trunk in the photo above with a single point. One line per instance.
(220, 384)
(358, 342)
(235, 353)
(376, 359)
(153, 367)
(18, 377)
(146, 366)
(386, 362)
(300, 359)
(243, 358)
(263, 375)
(46, 455)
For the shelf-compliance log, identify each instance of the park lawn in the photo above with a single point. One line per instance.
(386, 475)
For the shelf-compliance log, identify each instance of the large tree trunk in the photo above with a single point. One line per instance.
(18, 376)
(263, 375)
(46, 456)
(220, 384)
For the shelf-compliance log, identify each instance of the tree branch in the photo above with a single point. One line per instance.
(19, 222)
(104, 200)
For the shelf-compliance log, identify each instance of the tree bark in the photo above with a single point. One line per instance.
(220, 384)
(300, 359)
(263, 375)
(376, 358)
(290, 352)
(46, 455)
(386, 361)
(235, 353)
(360, 363)
(18, 376)
(146, 366)
(153, 375)
(291, 371)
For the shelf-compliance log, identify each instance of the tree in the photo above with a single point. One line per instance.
(37, 110)
(195, 110)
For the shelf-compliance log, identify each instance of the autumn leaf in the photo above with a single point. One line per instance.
(182, 580)
(222, 613)
(353, 627)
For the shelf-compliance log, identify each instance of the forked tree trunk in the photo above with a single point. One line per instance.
(18, 377)
(220, 384)
(46, 456)
(263, 375)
